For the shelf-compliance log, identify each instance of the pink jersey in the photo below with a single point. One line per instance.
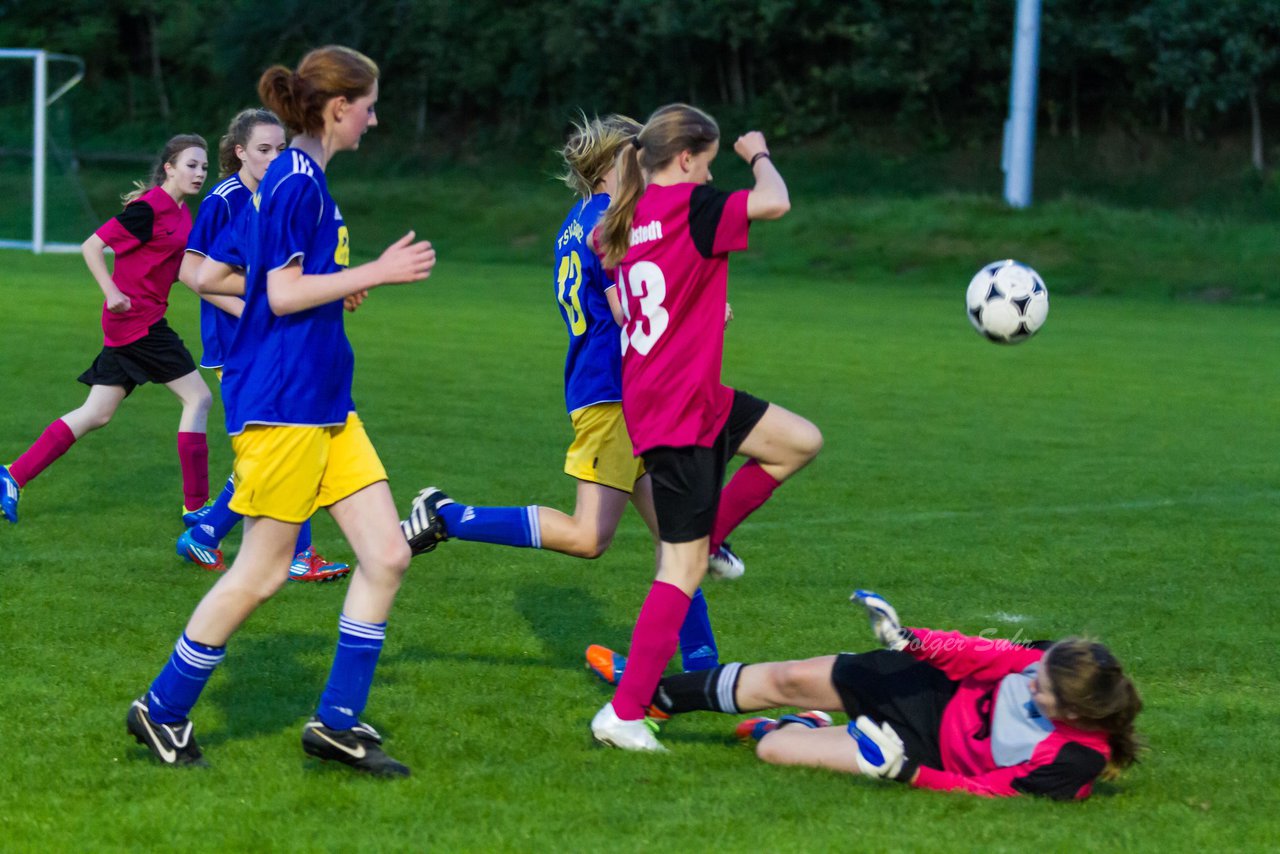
(673, 282)
(149, 237)
(1060, 762)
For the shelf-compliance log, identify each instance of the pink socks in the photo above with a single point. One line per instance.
(193, 454)
(750, 487)
(53, 443)
(653, 642)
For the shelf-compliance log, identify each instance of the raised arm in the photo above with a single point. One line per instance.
(289, 290)
(769, 198)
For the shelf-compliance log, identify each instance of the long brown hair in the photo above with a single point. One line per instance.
(1089, 682)
(669, 131)
(298, 97)
(238, 133)
(591, 150)
(168, 155)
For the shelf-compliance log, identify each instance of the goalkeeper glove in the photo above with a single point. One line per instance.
(884, 620)
(881, 752)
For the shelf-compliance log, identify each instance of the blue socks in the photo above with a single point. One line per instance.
(220, 519)
(179, 684)
(347, 691)
(697, 641)
(506, 526)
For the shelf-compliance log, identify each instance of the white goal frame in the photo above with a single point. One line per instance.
(41, 100)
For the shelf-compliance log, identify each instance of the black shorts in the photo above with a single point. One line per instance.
(687, 480)
(894, 688)
(158, 357)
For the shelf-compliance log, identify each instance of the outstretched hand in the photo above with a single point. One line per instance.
(406, 261)
(884, 620)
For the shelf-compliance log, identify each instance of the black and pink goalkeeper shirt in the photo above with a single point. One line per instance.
(149, 237)
(673, 283)
(993, 740)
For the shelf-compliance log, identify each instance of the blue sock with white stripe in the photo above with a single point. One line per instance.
(506, 526)
(219, 521)
(347, 691)
(697, 641)
(179, 684)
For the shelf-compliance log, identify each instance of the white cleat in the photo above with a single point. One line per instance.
(724, 564)
(608, 728)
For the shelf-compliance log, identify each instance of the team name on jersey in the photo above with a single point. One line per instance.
(572, 233)
(646, 233)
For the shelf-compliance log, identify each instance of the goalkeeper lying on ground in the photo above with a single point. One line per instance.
(937, 710)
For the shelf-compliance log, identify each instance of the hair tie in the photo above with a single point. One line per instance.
(635, 141)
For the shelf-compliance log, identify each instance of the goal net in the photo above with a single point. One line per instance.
(44, 207)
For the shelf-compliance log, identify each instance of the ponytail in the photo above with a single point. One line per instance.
(669, 131)
(299, 97)
(615, 227)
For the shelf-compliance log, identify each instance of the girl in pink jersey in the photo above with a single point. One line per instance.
(148, 238)
(937, 710)
(669, 235)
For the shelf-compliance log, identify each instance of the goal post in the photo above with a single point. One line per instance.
(41, 100)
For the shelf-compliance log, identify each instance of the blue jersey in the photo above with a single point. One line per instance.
(218, 211)
(295, 369)
(593, 366)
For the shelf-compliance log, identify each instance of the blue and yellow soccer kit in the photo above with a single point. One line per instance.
(287, 380)
(601, 451)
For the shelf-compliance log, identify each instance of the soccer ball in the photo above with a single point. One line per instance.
(1007, 302)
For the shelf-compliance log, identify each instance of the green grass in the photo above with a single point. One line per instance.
(1116, 475)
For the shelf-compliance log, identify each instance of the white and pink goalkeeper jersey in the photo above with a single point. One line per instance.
(674, 282)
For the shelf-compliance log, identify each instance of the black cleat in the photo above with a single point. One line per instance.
(360, 747)
(424, 529)
(172, 744)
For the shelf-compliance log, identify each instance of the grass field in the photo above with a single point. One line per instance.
(1116, 476)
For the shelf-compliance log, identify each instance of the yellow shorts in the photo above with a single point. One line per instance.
(287, 473)
(601, 451)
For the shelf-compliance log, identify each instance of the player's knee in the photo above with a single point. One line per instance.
(808, 441)
(591, 545)
(395, 556)
(95, 419)
(769, 749)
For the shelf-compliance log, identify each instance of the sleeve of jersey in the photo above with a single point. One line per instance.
(960, 656)
(210, 222)
(228, 248)
(290, 217)
(130, 228)
(1067, 776)
(718, 221)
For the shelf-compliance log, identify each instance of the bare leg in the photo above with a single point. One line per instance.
(196, 400)
(371, 525)
(96, 411)
(589, 532)
(782, 442)
(829, 747)
(804, 684)
(260, 568)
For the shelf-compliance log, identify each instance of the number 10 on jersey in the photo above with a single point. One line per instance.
(648, 286)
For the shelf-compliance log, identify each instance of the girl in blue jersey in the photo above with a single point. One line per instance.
(253, 140)
(608, 474)
(298, 442)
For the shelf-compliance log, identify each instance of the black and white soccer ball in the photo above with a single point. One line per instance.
(1007, 302)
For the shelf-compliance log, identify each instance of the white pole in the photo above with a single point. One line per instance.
(37, 155)
(1018, 161)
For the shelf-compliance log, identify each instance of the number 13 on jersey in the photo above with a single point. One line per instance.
(646, 283)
